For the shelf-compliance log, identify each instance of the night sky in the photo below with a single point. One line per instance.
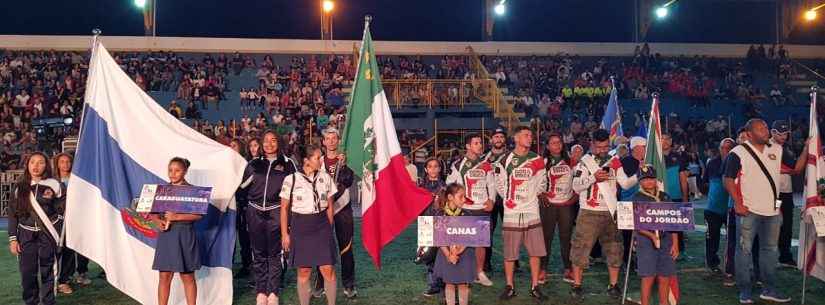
(424, 20)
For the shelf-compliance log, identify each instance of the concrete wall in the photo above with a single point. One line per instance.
(297, 46)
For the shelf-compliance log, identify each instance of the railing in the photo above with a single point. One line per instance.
(812, 71)
(431, 93)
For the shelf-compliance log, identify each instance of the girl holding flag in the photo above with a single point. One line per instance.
(34, 220)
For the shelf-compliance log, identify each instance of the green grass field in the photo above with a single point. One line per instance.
(401, 282)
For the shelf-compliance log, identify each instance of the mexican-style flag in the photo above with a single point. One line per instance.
(811, 247)
(390, 200)
(654, 155)
(655, 158)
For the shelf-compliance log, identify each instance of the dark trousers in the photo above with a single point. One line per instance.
(714, 222)
(344, 231)
(786, 230)
(561, 217)
(243, 236)
(496, 214)
(265, 240)
(37, 257)
(733, 238)
(433, 282)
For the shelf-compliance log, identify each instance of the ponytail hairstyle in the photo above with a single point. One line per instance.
(306, 153)
(182, 161)
(451, 189)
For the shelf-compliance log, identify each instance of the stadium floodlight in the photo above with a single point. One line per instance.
(661, 12)
(500, 9)
(810, 15)
(140, 3)
(328, 6)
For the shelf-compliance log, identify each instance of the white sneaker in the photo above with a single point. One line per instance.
(260, 299)
(483, 280)
(272, 299)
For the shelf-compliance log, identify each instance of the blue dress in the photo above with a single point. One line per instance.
(177, 250)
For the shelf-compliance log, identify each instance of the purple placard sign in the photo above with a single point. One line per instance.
(181, 199)
(470, 231)
(663, 216)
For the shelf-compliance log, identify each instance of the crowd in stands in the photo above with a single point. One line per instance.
(563, 93)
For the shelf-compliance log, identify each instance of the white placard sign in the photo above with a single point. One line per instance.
(818, 216)
(147, 198)
(624, 215)
(425, 231)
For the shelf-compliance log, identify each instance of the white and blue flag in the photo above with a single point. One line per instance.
(126, 141)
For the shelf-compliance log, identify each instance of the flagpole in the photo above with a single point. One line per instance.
(627, 271)
(803, 249)
(95, 40)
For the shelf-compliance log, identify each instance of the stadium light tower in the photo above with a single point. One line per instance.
(150, 14)
(327, 7)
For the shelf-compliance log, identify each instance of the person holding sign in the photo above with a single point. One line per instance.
(475, 174)
(752, 171)
(656, 251)
(595, 179)
(308, 196)
(34, 220)
(456, 264)
(520, 177)
(433, 183)
(176, 250)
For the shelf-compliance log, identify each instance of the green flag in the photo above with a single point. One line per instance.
(654, 155)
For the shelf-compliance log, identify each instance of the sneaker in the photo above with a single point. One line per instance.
(82, 279)
(715, 270)
(729, 281)
(317, 293)
(542, 277)
(431, 292)
(568, 277)
(577, 292)
(483, 280)
(535, 293)
(65, 289)
(774, 296)
(788, 263)
(613, 291)
(507, 294)
(745, 298)
(350, 293)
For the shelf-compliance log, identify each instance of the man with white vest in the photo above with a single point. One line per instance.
(595, 178)
(475, 173)
(752, 173)
(336, 166)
